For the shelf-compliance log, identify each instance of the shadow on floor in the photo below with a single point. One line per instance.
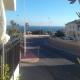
(59, 72)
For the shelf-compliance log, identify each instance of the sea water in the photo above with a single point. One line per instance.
(44, 28)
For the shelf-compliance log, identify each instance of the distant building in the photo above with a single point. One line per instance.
(72, 29)
(26, 26)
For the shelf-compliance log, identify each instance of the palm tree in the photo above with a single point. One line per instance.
(73, 1)
(78, 14)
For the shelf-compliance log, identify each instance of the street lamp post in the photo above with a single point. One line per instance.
(24, 40)
(25, 28)
(49, 25)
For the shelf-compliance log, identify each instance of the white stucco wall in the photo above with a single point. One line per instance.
(10, 4)
(15, 75)
(71, 29)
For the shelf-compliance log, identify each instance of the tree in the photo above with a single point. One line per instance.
(14, 30)
(78, 14)
(73, 1)
(37, 32)
(59, 34)
(12, 22)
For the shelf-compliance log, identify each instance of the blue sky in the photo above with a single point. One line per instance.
(44, 12)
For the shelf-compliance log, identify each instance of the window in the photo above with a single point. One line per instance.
(73, 27)
(78, 28)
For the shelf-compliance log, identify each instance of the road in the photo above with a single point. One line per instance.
(53, 64)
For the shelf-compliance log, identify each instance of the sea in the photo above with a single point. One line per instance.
(44, 28)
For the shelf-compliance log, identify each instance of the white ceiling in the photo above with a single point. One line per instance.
(10, 4)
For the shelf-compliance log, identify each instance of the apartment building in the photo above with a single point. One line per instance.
(72, 29)
(9, 51)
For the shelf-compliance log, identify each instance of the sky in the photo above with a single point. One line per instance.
(43, 12)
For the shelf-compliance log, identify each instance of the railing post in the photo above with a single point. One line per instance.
(2, 63)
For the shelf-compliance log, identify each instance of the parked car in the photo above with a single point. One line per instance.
(71, 38)
(68, 38)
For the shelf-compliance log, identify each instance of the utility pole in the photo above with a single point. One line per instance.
(25, 28)
(24, 40)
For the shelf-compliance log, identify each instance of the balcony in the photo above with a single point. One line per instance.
(12, 55)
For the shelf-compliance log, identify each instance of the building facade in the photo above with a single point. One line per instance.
(72, 29)
(8, 54)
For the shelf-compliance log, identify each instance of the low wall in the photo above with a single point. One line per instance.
(11, 56)
(16, 74)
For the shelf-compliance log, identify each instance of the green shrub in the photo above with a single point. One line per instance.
(6, 75)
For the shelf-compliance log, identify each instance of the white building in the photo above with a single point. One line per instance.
(4, 6)
(72, 29)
